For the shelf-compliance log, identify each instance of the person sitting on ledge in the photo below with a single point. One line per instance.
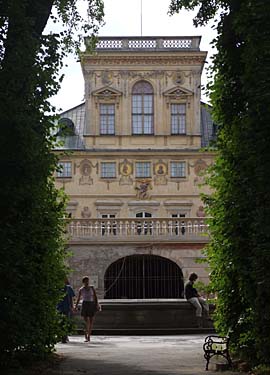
(195, 299)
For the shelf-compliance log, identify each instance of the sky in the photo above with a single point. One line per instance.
(123, 18)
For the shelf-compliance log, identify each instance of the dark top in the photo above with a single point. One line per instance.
(65, 306)
(190, 291)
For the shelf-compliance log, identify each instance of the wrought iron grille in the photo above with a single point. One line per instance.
(143, 276)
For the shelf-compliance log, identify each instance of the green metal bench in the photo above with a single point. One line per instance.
(216, 345)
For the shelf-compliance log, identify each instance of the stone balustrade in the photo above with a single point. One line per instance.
(138, 229)
(146, 43)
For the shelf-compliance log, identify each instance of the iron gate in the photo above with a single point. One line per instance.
(143, 276)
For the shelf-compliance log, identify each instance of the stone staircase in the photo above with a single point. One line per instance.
(146, 317)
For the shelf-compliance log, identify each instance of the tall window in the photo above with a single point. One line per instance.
(108, 170)
(142, 108)
(178, 118)
(107, 119)
(143, 169)
(178, 169)
(64, 169)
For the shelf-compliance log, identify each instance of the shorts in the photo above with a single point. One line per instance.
(89, 309)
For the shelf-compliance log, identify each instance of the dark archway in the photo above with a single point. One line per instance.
(143, 276)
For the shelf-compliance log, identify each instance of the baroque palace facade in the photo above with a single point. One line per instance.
(134, 166)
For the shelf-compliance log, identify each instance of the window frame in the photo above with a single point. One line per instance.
(101, 170)
(140, 112)
(106, 116)
(150, 169)
(62, 173)
(178, 115)
(178, 162)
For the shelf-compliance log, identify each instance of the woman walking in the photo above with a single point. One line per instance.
(90, 305)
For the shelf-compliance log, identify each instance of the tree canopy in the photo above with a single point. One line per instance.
(32, 266)
(239, 251)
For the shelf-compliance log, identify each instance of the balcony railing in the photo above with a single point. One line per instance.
(138, 229)
(155, 43)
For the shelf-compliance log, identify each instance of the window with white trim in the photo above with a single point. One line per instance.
(143, 169)
(142, 108)
(64, 169)
(107, 119)
(178, 169)
(108, 170)
(178, 119)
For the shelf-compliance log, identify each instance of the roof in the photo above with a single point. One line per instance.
(77, 115)
(207, 125)
(75, 141)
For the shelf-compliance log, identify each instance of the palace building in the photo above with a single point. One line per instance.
(132, 165)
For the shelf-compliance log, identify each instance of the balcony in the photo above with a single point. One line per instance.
(138, 230)
(146, 43)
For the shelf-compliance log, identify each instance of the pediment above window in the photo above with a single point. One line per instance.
(107, 95)
(107, 92)
(177, 92)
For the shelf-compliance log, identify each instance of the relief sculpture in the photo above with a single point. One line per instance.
(143, 187)
(160, 171)
(125, 170)
(86, 170)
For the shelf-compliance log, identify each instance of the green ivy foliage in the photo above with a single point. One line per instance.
(32, 252)
(239, 207)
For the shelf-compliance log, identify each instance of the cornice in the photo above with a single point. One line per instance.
(143, 60)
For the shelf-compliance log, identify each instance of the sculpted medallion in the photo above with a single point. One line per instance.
(160, 172)
(85, 170)
(125, 170)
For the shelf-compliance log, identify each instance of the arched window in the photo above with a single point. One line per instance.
(142, 108)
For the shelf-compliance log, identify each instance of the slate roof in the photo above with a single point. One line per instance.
(76, 141)
(77, 115)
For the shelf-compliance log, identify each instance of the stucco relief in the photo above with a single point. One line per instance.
(106, 77)
(199, 168)
(160, 173)
(200, 212)
(125, 170)
(178, 78)
(86, 168)
(86, 213)
(142, 187)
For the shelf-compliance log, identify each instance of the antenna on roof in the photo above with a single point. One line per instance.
(141, 17)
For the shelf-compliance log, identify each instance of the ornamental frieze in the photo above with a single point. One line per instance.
(144, 60)
(150, 74)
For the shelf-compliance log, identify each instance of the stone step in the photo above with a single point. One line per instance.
(150, 331)
(144, 316)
